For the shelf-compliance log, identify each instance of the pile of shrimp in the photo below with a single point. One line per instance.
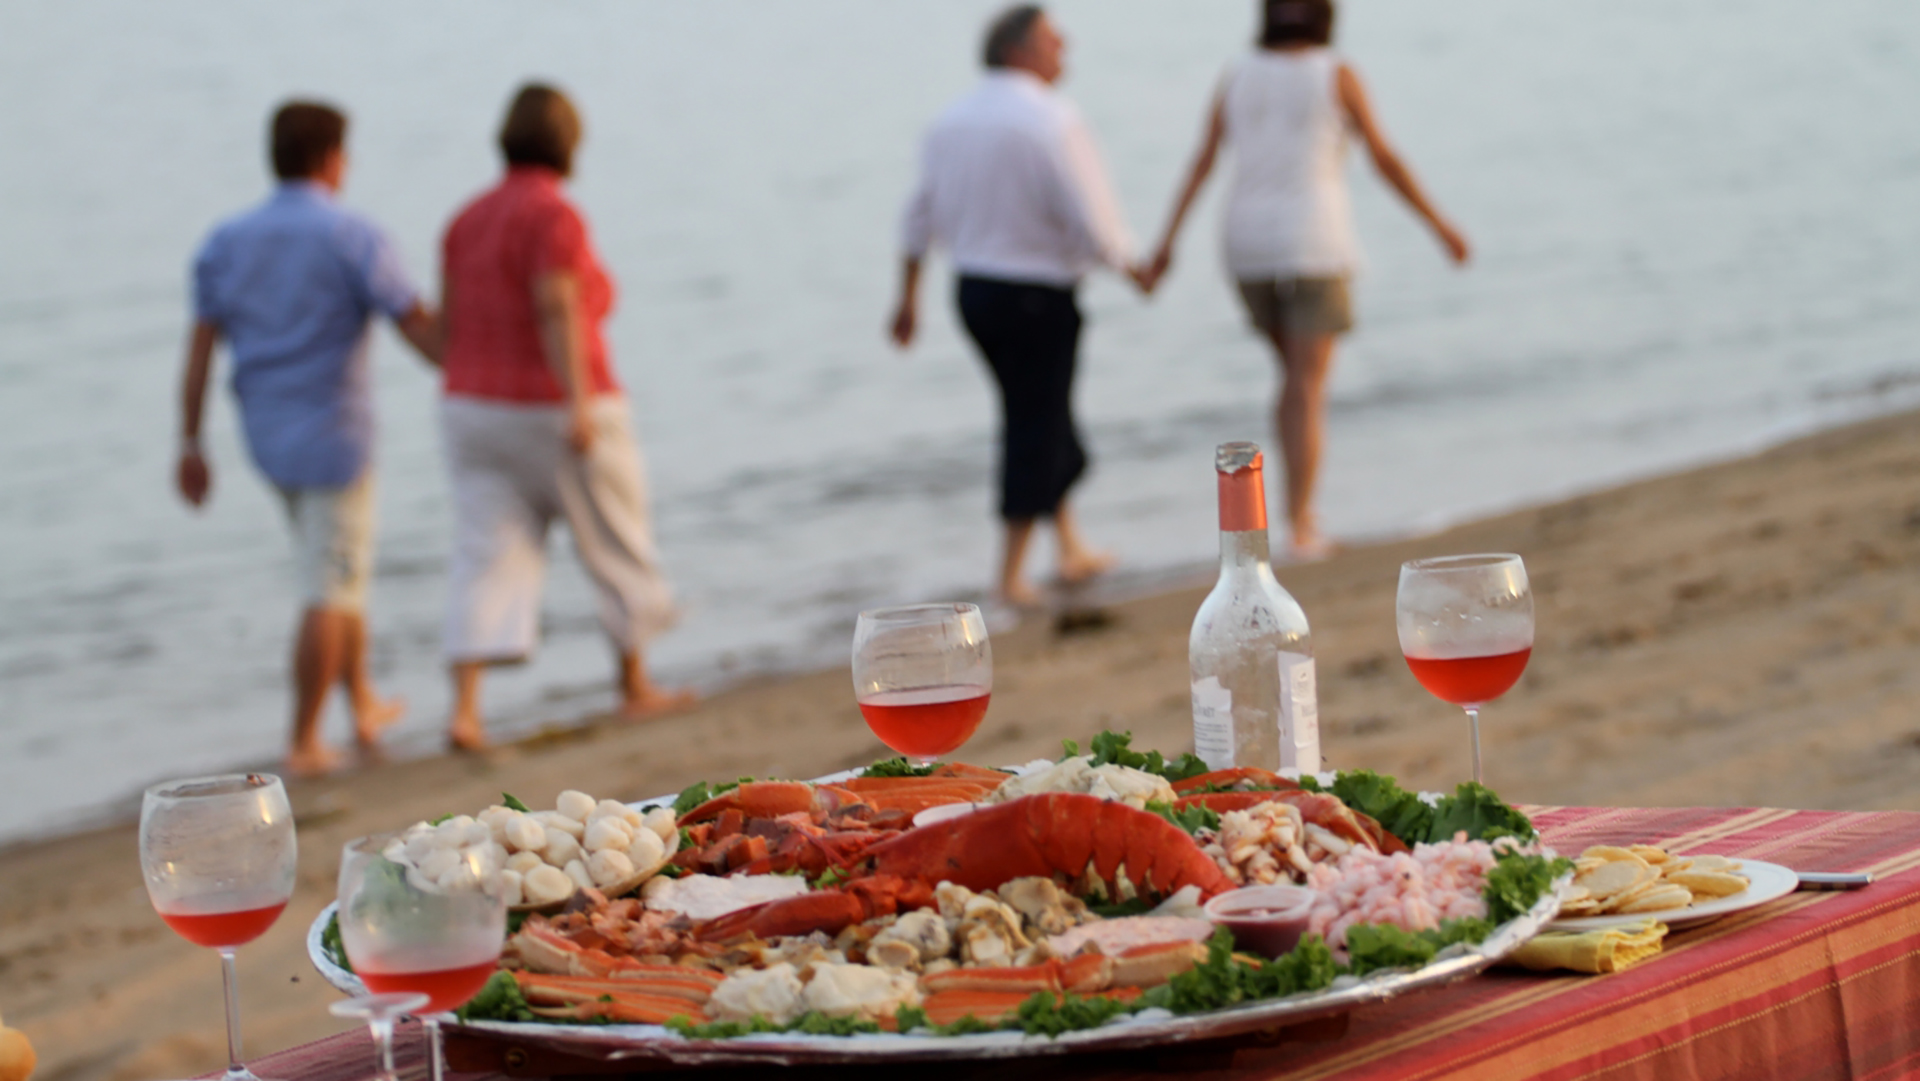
(1412, 890)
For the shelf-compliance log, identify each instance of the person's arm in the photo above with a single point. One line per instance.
(422, 329)
(1203, 162)
(1086, 200)
(1353, 97)
(556, 304)
(906, 314)
(192, 475)
(916, 237)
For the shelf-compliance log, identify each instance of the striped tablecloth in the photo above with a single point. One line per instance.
(1814, 985)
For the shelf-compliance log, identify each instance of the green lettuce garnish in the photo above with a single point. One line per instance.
(898, 767)
(1193, 819)
(499, 1000)
(1110, 749)
(700, 792)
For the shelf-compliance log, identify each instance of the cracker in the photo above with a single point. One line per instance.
(1650, 853)
(1715, 863)
(1587, 863)
(1659, 899)
(1710, 883)
(1614, 877)
(1612, 853)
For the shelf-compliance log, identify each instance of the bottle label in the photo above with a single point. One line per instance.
(1299, 714)
(1213, 723)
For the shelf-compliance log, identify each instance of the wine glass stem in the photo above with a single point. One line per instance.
(1473, 725)
(383, 1046)
(431, 1027)
(230, 981)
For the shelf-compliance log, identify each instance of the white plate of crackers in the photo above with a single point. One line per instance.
(1615, 885)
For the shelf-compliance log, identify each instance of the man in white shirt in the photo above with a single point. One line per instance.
(1011, 183)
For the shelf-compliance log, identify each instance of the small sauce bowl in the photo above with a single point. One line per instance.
(1267, 920)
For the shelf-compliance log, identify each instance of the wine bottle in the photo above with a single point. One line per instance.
(1251, 655)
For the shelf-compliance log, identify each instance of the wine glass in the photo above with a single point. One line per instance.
(1466, 628)
(405, 931)
(218, 856)
(922, 676)
(380, 1012)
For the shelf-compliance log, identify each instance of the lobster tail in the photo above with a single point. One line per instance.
(1051, 834)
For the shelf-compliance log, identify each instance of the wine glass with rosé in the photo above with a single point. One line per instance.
(218, 856)
(922, 675)
(430, 922)
(1466, 628)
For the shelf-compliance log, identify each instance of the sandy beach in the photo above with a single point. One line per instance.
(1739, 634)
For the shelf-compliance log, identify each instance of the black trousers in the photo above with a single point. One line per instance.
(1029, 335)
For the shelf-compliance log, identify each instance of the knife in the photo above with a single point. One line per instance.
(1829, 880)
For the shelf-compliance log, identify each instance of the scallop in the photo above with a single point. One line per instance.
(524, 834)
(606, 868)
(523, 863)
(544, 885)
(419, 846)
(577, 871)
(396, 851)
(646, 850)
(554, 820)
(661, 821)
(510, 888)
(609, 808)
(439, 862)
(575, 804)
(462, 877)
(605, 834)
(561, 847)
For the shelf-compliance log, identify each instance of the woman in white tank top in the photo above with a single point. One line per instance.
(1288, 109)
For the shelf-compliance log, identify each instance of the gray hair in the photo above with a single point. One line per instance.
(1007, 32)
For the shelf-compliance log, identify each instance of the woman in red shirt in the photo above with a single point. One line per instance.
(536, 426)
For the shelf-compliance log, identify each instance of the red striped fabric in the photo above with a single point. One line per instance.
(1814, 985)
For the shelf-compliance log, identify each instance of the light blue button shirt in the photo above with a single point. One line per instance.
(292, 285)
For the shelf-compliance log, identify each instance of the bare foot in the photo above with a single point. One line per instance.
(1085, 566)
(1310, 548)
(1020, 595)
(466, 734)
(314, 761)
(376, 716)
(655, 702)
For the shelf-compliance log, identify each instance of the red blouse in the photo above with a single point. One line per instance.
(492, 253)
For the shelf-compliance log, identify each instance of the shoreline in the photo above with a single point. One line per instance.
(1737, 633)
(717, 677)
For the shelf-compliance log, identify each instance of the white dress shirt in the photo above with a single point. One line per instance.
(1011, 183)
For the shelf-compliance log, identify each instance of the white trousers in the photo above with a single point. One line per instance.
(512, 475)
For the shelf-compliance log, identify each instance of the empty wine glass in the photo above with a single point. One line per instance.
(440, 937)
(380, 1012)
(1466, 629)
(218, 855)
(922, 675)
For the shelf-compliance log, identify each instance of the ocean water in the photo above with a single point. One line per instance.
(1694, 226)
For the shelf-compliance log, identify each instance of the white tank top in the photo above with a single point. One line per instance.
(1288, 210)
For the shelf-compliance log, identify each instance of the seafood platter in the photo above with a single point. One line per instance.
(1111, 899)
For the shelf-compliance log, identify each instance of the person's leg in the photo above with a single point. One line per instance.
(1013, 585)
(348, 580)
(1299, 422)
(1079, 561)
(319, 654)
(1055, 359)
(465, 729)
(372, 714)
(604, 499)
(498, 558)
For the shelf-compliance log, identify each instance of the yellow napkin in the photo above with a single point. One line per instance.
(1609, 950)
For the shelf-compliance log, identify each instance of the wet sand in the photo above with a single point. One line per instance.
(1740, 634)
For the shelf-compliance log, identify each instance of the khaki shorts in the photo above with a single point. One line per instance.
(333, 542)
(1297, 307)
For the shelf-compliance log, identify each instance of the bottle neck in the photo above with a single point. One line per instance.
(1244, 551)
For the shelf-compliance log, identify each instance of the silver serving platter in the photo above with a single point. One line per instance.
(658, 1045)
